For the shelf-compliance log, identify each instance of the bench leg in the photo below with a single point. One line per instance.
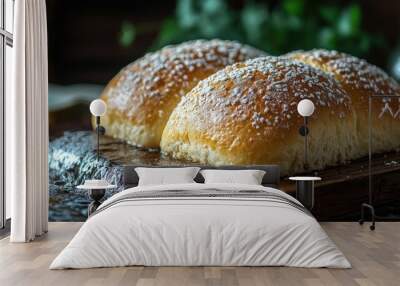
(372, 210)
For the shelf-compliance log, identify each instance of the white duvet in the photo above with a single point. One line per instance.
(200, 231)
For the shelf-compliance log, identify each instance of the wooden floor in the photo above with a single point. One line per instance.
(375, 257)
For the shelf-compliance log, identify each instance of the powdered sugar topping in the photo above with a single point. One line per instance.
(266, 92)
(354, 73)
(171, 72)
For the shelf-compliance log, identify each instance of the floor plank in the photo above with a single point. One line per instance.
(375, 257)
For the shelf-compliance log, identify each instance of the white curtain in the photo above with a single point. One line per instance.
(27, 124)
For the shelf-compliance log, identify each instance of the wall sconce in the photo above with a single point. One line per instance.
(305, 108)
(98, 108)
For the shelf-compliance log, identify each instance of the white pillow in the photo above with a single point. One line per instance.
(248, 177)
(165, 176)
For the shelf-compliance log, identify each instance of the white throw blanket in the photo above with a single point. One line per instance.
(156, 226)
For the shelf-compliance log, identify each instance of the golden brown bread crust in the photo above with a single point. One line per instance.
(360, 80)
(247, 114)
(141, 97)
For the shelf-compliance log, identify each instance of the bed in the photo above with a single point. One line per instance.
(197, 224)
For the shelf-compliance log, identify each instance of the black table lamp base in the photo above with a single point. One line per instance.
(305, 193)
(96, 195)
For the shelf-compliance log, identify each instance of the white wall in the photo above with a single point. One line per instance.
(9, 26)
(8, 85)
(9, 9)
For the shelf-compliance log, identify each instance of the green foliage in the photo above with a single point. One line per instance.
(277, 29)
(127, 34)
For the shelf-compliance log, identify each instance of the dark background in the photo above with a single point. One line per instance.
(84, 36)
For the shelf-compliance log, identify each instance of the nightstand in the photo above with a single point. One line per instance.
(96, 193)
(305, 190)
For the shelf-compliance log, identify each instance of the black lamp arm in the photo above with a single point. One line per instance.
(100, 130)
(304, 131)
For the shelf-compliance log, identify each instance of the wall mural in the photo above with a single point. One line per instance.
(226, 96)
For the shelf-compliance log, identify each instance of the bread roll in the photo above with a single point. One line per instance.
(141, 96)
(247, 114)
(360, 80)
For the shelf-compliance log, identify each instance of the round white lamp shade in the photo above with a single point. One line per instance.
(305, 108)
(98, 107)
